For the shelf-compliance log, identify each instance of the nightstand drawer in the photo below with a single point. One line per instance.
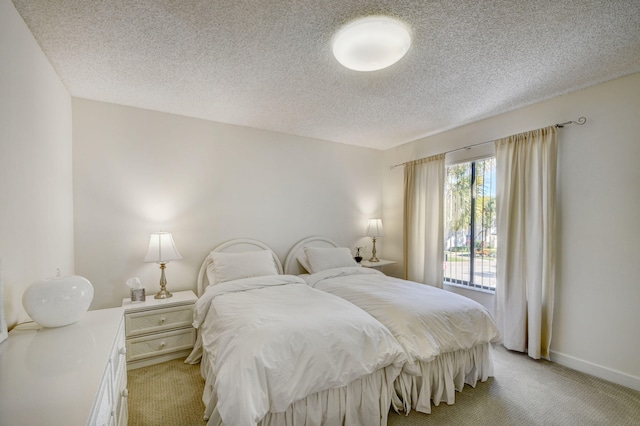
(139, 323)
(160, 344)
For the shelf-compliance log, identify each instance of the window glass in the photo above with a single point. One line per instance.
(470, 224)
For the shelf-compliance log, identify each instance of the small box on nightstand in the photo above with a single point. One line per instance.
(138, 295)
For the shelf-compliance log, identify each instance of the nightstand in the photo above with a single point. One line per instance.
(377, 265)
(159, 330)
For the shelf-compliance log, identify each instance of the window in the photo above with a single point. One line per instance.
(470, 224)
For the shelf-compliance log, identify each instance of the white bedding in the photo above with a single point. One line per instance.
(428, 322)
(274, 340)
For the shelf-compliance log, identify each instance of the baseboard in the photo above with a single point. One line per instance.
(605, 373)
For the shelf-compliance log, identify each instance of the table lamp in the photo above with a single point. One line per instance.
(161, 250)
(374, 230)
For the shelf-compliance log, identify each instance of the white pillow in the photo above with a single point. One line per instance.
(304, 262)
(321, 258)
(234, 266)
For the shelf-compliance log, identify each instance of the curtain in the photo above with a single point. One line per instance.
(423, 220)
(526, 209)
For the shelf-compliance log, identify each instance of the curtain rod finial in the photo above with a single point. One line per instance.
(580, 122)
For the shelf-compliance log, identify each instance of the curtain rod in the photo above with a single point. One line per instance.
(580, 122)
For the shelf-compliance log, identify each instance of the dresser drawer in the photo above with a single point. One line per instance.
(157, 320)
(118, 358)
(103, 405)
(118, 364)
(160, 344)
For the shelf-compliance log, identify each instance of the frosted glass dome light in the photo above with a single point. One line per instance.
(371, 43)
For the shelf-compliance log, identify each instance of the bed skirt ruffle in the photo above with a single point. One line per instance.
(365, 401)
(440, 378)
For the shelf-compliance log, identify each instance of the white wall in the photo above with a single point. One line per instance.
(596, 315)
(138, 171)
(36, 216)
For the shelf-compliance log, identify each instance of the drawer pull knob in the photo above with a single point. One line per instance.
(122, 351)
(162, 345)
(125, 393)
(162, 320)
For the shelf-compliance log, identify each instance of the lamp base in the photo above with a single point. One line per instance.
(163, 294)
(374, 258)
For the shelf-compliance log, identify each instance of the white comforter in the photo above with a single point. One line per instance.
(275, 340)
(427, 321)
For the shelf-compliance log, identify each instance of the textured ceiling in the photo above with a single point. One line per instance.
(268, 64)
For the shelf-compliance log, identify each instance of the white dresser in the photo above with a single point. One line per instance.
(73, 375)
(159, 330)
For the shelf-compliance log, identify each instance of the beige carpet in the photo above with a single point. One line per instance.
(523, 392)
(167, 394)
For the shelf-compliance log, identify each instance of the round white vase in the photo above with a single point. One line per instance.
(59, 301)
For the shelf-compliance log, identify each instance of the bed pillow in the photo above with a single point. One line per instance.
(321, 258)
(234, 266)
(304, 262)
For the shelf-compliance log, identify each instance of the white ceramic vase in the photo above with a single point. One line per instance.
(59, 301)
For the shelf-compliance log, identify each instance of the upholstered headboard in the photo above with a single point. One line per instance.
(233, 246)
(291, 264)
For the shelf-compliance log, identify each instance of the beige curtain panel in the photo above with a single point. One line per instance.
(526, 218)
(424, 220)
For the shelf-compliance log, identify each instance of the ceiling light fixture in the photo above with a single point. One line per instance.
(371, 43)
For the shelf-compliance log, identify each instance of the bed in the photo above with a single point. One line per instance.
(447, 337)
(274, 351)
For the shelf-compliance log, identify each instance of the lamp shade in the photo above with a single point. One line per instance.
(374, 228)
(162, 249)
